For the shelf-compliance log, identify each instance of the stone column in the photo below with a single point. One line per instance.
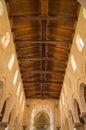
(70, 122)
(3, 125)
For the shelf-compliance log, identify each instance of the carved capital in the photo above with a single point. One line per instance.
(83, 114)
(24, 127)
(77, 125)
(3, 124)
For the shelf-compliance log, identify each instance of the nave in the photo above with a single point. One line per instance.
(42, 65)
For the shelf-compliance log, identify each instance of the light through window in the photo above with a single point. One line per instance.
(73, 62)
(18, 90)
(63, 98)
(11, 62)
(60, 103)
(21, 97)
(15, 77)
(65, 88)
(6, 40)
(79, 42)
(23, 105)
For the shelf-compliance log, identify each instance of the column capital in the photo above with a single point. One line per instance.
(3, 124)
(24, 127)
(82, 2)
(77, 124)
(83, 114)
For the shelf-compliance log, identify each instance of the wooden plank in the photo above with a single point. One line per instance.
(46, 92)
(58, 59)
(33, 90)
(43, 41)
(65, 18)
(39, 72)
(42, 58)
(44, 7)
(57, 83)
(42, 97)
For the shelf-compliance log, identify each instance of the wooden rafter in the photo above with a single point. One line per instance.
(44, 92)
(44, 41)
(53, 18)
(57, 83)
(43, 32)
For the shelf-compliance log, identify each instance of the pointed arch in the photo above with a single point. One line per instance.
(2, 91)
(77, 113)
(5, 111)
(41, 121)
(2, 111)
(7, 108)
(12, 117)
(42, 108)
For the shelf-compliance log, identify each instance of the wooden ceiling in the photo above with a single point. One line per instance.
(43, 32)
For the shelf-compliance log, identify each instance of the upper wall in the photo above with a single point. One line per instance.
(75, 72)
(9, 69)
